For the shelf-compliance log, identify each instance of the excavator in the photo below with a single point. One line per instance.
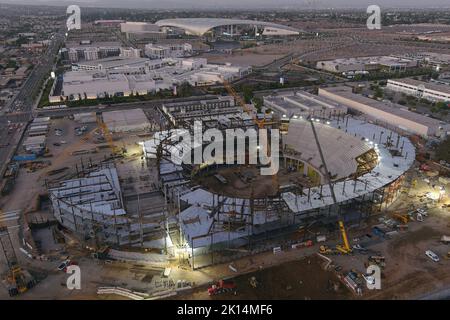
(16, 280)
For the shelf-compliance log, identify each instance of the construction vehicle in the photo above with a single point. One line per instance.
(377, 260)
(403, 218)
(17, 280)
(241, 102)
(323, 249)
(253, 282)
(345, 248)
(108, 136)
(222, 286)
(101, 253)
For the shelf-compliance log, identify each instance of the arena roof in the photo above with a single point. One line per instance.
(199, 26)
(339, 148)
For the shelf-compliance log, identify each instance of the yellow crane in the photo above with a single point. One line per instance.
(241, 102)
(260, 123)
(108, 136)
(345, 248)
(18, 281)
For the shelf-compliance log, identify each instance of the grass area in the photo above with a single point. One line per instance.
(44, 98)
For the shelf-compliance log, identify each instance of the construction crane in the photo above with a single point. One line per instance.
(108, 136)
(260, 123)
(85, 138)
(345, 247)
(241, 102)
(17, 280)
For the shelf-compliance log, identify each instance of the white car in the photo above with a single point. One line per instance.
(369, 279)
(64, 265)
(422, 212)
(433, 256)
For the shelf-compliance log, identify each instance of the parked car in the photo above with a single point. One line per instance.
(360, 248)
(369, 279)
(422, 212)
(63, 265)
(433, 256)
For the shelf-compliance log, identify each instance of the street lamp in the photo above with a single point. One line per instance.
(441, 193)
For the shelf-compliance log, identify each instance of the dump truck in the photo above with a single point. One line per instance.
(222, 286)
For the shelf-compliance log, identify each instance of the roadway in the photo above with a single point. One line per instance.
(20, 109)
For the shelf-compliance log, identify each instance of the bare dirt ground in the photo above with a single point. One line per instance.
(340, 41)
(303, 279)
(259, 186)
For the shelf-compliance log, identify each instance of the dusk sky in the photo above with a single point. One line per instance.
(209, 4)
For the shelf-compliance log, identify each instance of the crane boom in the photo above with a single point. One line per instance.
(346, 246)
(241, 102)
(260, 123)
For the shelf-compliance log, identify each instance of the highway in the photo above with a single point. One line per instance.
(20, 109)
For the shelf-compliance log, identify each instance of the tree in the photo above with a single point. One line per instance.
(247, 92)
(378, 93)
(443, 150)
(258, 102)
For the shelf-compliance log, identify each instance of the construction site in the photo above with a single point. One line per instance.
(107, 189)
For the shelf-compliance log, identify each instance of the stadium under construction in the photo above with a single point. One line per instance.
(332, 166)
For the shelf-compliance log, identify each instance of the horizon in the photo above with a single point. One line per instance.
(216, 5)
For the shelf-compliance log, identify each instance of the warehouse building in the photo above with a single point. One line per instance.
(366, 64)
(35, 144)
(428, 58)
(142, 31)
(392, 114)
(301, 103)
(126, 120)
(117, 65)
(118, 76)
(80, 85)
(425, 90)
